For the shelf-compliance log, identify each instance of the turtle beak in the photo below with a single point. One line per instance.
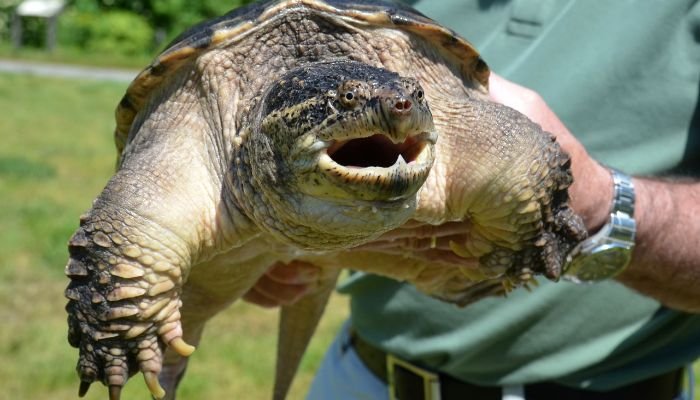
(403, 115)
(402, 125)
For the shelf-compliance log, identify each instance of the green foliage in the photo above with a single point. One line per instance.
(75, 28)
(174, 16)
(6, 7)
(170, 16)
(124, 27)
(34, 31)
(114, 31)
(122, 32)
(9, 4)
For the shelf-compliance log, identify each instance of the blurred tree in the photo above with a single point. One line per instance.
(126, 27)
(169, 16)
(108, 31)
(6, 8)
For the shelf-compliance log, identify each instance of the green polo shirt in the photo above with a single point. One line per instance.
(624, 77)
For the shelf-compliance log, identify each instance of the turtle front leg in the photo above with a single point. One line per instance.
(510, 179)
(163, 211)
(124, 299)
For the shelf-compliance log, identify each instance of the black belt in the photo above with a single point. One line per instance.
(410, 382)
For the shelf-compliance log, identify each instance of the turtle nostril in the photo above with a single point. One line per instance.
(402, 105)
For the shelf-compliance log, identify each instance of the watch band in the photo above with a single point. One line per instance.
(623, 194)
(608, 252)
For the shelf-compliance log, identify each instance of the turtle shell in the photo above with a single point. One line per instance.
(228, 29)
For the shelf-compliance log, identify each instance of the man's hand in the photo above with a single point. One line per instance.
(591, 192)
(284, 284)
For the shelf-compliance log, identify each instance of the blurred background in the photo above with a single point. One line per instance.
(103, 32)
(57, 104)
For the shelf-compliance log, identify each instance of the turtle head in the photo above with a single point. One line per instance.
(342, 148)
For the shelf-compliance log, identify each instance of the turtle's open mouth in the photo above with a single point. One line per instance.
(376, 168)
(375, 151)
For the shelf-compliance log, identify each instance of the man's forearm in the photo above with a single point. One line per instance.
(666, 260)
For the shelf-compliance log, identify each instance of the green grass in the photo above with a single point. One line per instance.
(56, 155)
(67, 55)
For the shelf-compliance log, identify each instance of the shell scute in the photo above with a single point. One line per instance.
(228, 28)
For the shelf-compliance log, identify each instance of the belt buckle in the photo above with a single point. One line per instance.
(431, 380)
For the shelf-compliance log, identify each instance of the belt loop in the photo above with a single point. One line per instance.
(346, 338)
(431, 381)
(513, 392)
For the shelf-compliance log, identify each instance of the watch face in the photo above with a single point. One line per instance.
(602, 263)
(607, 253)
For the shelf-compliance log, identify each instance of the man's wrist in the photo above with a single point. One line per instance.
(607, 253)
(591, 197)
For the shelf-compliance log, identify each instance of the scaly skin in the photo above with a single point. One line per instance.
(137, 247)
(511, 187)
(227, 171)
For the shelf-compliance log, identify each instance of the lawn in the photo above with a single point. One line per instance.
(67, 55)
(56, 155)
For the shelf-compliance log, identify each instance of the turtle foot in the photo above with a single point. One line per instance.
(123, 310)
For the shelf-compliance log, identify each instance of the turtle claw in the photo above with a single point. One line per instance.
(115, 392)
(118, 319)
(181, 347)
(154, 387)
(84, 387)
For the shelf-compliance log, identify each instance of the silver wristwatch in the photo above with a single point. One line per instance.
(608, 252)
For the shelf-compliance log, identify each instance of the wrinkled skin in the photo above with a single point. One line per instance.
(253, 154)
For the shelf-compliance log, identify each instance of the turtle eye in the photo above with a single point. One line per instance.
(413, 86)
(349, 99)
(352, 94)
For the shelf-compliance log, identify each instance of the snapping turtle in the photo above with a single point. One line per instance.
(297, 130)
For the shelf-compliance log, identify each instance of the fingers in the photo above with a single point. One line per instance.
(446, 257)
(284, 293)
(527, 102)
(512, 95)
(421, 250)
(284, 284)
(288, 296)
(412, 223)
(415, 244)
(253, 296)
(294, 273)
(414, 229)
(270, 294)
(427, 243)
